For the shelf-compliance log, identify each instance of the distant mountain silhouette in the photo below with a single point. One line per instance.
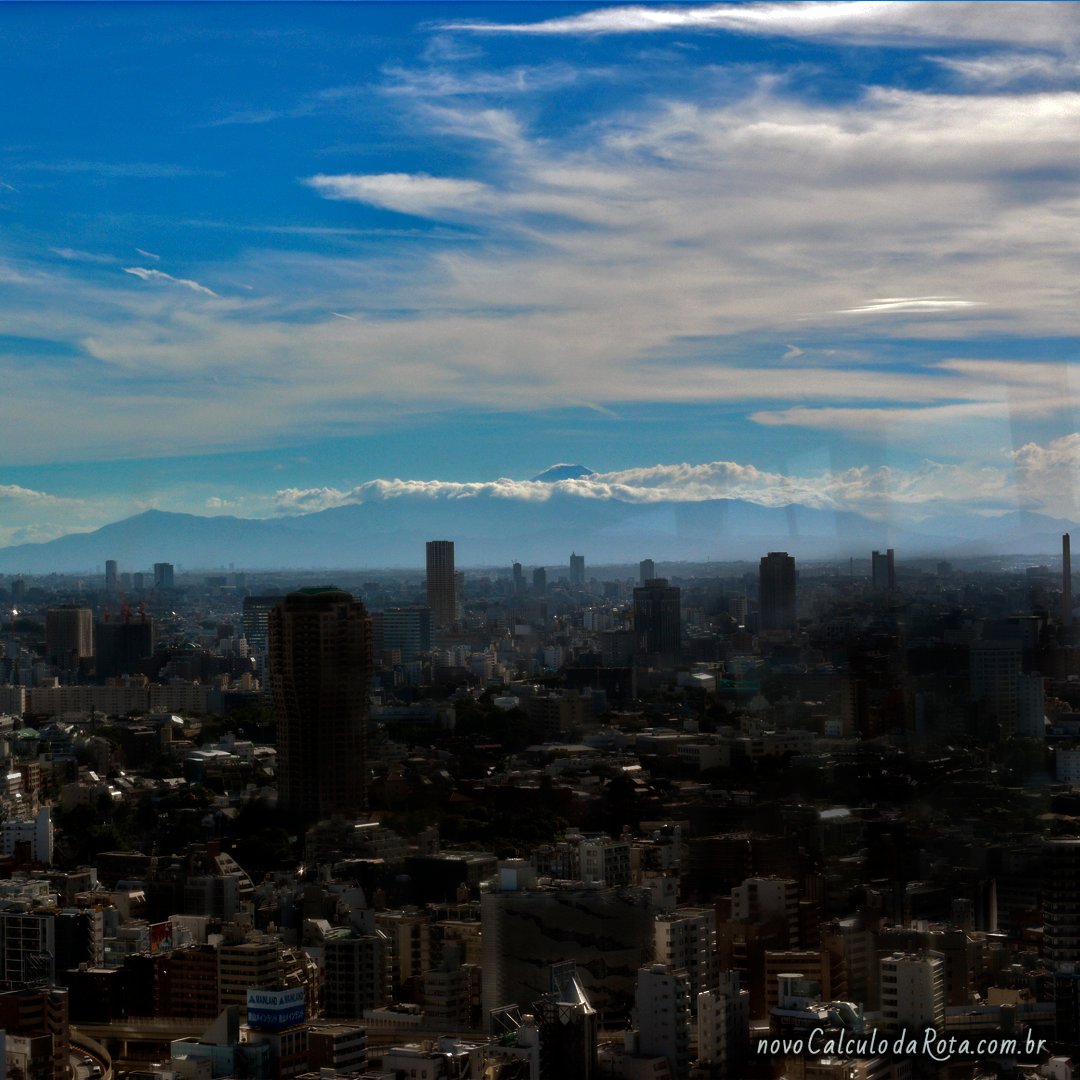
(490, 530)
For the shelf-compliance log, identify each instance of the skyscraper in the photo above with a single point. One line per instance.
(883, 571)
(657, 618)
(577, 569)
(441, 582)
(320, 673)
(123, 648)
(646, 571)
(540, 581)
(406, 629)
(69, 635)
(163, 575)
(776, 591)
(110, 577)
(255, 620)
(1061, 900)
(1066, 581)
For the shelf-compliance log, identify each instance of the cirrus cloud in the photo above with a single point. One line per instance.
(160, 277)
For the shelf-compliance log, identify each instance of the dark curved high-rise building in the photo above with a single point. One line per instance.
(320, 672)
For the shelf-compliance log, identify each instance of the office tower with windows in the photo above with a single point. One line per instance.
(320, 673)
(441, 583)
(662, 1016)
(164, 577)
(646, 571)
(1061, 901)
(405, 629)
(912, 991)
(657, 619)
(110, 577)
(69, 635)
(255, 620)
(776, 591)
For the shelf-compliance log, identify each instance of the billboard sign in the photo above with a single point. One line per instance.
(275, 1010)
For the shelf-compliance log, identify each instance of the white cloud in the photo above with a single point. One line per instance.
(219, 504)
(880, 21)
(998, 70)
(438, 82)
(74, 255)
(148, 254)
(33, 516)
(664, 251)
(13, 493)
(162, 277)
(904, 304)
(1047, 476)
(409, 194)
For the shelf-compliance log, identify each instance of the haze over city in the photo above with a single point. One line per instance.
(261, 260)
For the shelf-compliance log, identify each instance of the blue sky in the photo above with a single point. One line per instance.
(260, 258)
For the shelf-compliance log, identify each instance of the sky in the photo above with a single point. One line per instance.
(259, 259)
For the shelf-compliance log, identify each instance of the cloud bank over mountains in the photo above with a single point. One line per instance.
(1036, 478)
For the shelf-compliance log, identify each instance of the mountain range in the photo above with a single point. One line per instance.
(491, 530)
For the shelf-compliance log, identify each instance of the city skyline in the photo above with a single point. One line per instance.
(260, 260)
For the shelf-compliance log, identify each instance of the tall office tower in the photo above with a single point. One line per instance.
(110, 577)
(646, 571)
(662, 1016)
(577, 569)
(519, 579)
(540, 581)
(255, 620)
(320, 673)
(407, 629)
(995, 666)
(163, 575)
(657, 619)
(69, 635)
(883, 571)
(1066, 581)
(441, 583)
(1061, 900)
(776, 591)
(123, 648)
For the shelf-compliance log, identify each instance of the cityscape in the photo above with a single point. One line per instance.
(535, 541)
(813, 820)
